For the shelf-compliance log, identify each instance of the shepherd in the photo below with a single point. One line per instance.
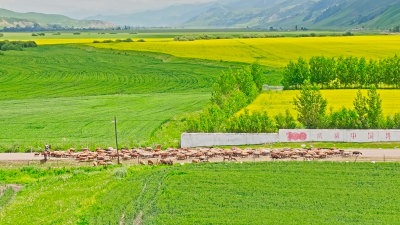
(47, 149)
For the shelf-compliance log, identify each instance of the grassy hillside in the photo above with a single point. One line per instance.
(61, 71)
(281, 14)
(68, 96)
(363, 13)
(248, 193)
(45, 20)
(390, 18)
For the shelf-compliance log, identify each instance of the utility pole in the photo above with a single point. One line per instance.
(116, 136)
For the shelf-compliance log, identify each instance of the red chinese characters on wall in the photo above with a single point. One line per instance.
(293, 136)
(388, 136)
(370, 136)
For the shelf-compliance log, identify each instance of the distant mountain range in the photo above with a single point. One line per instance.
(12, 19)
(285, 14)
(278, 14)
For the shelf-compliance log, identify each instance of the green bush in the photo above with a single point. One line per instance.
(128, 40)
(121, 172)
(232, 91)
(250, 123)
(286, 121)
(6, 196)
(16, 45)
(10, 46)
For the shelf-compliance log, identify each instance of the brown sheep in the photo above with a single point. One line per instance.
(102, 163)
(181, 157)
(275, 156)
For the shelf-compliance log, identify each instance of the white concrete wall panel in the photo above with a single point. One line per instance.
(286, 135)
(222, 139)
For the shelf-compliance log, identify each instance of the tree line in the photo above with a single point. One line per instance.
(232, 92)
(16, 45)
(195, 37)
(343, 72)
(365, 114)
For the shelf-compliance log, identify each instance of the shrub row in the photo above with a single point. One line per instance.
(16, 45)
(343, 72)
(247, 36)
(232, 91)
(201, 37)
(38, 34)
(118, 41)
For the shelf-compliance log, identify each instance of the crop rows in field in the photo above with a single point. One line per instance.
(68, 95)
(278, 102)
(227, 193)
(87, 121)
(55, 71)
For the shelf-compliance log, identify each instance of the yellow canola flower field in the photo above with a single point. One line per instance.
(275, 52)
(278, 102)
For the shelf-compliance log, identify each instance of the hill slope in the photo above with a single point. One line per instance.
(14, 19)
(307, 13)
(285, 14)
(167, 17)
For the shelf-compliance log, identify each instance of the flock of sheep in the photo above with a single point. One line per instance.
(150, 156)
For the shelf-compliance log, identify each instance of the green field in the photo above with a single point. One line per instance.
(248, 193)
(68, 95)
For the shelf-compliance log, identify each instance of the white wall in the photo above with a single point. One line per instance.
(295, 135)
(220, 139)
(356, 136)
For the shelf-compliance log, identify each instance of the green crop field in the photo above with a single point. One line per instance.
(248, 193)
(68, 95)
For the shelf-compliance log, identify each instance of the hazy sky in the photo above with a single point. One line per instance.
(85, 8)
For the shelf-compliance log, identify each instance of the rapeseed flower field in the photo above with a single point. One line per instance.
(278, 102)
(274, 52)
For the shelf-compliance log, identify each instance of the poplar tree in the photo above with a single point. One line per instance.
(311, 106)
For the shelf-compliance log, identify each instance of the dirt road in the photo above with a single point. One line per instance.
(378, 155)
